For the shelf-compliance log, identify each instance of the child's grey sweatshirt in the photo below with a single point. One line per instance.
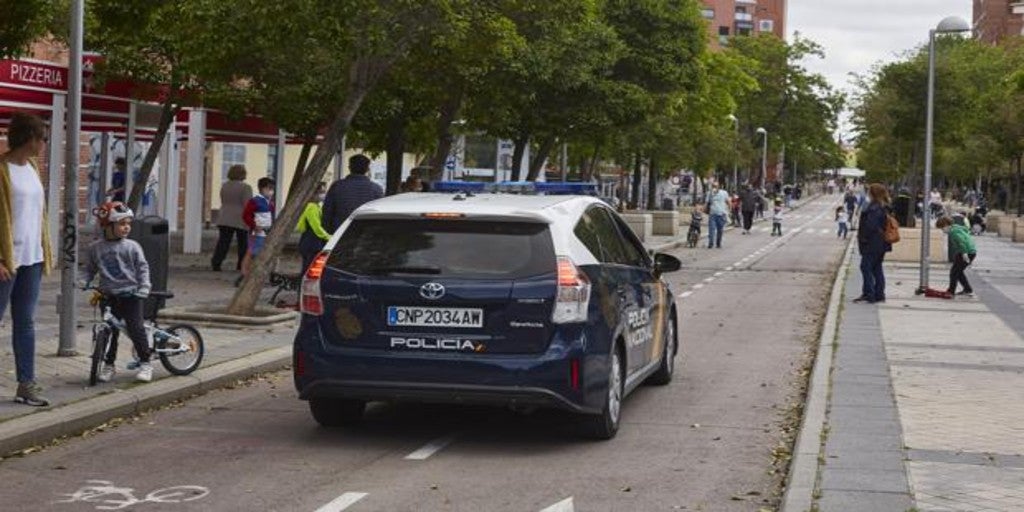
(121, 266)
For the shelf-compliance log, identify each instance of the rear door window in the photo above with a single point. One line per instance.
(614, 250)
(586, 232)
(445, 248)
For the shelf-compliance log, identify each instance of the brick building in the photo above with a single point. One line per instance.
(728, 18)
(995, 20)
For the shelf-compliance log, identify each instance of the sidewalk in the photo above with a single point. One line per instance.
(924, 396)
(230, 354)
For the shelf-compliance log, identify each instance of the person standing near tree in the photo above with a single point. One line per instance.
(349, 193)
(24, 246)
(313, 236)
(234, 194)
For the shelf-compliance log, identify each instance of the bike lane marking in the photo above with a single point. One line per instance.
(431, 448)
(562, 506)
(342, 502)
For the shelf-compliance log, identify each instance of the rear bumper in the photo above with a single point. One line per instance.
(542, 380)
(440, 393)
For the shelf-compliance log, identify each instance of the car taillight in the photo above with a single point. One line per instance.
(572, 298)
(310, 302)
(574, 373)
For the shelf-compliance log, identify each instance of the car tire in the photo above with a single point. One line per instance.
(605, 425)
(336, 412)
(667, 368)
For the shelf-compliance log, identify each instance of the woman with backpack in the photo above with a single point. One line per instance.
(872, 244)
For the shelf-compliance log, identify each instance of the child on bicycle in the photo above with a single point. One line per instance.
(123, 280)
(696, 219)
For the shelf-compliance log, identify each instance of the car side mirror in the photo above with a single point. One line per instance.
(666, 263)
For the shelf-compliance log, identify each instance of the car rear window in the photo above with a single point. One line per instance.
(452, 248)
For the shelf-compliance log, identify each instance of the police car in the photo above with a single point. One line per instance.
(486, 298)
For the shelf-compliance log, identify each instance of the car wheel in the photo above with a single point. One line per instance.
(668, 357)
(336, 412)
(606, 424)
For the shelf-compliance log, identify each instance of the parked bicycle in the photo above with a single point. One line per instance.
(180, 347)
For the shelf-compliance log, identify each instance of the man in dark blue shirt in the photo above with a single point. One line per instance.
(345, 195)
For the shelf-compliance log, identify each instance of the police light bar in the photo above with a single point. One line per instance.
(457, 186)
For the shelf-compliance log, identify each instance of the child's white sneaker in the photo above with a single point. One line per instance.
(106, 373)
(145, 373)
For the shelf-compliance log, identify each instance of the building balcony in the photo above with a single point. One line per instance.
(744, 16)
(1017, 7)
(746, 2)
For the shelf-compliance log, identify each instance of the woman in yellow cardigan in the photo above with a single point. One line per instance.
(24, 246)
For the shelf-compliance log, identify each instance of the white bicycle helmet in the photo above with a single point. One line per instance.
(112, 213)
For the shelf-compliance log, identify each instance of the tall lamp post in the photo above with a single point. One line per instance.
(764, 158)
(735, 152)
(948, 25)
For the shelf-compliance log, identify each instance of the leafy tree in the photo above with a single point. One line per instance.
(21, 23)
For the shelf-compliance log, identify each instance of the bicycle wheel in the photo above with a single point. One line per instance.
(100, 341)
(183, 352)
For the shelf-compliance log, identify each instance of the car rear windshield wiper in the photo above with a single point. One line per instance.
(405, 270)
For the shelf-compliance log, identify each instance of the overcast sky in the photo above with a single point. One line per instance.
(856, 34)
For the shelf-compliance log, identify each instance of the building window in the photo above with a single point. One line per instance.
(708, 13)
(231, 154)
(766, 25)
(272, 161)
(740, 31)
(741, 10)
(723, 31)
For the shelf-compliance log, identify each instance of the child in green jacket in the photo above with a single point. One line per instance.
(962, 246)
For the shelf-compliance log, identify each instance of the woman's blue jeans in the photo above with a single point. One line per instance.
(21, 292)
(873, 276)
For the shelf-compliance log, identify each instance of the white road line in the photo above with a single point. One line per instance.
(738, 263)
(720, 273)
(729, 268)
(342, 502)
(562, 506)
(431, 448)
(708, 280)
(685, 295)
(765, 229)
(698, 286)
(826, 231)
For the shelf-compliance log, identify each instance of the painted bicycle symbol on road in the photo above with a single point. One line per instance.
(107, 496)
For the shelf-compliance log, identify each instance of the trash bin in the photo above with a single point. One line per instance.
(152, 233)
(901, 209)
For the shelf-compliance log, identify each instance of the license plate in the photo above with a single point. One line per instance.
(402, 316)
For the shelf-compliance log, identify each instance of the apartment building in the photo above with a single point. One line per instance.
(995, 20)
(729, 18)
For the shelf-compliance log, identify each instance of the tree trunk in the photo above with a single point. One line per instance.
(1020, 197)
(652, 184)
(449, 111)
(395, 149)
(634, 199)
(537, 162)
(168, 111)
(517, 155)
(248, 292)
(307, 146)
(588, 173)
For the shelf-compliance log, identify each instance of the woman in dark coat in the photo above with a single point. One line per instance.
(872, 245)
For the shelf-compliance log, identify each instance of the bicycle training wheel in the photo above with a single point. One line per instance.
(184, 351)
(100, 342)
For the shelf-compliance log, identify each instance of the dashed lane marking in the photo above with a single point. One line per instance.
(431, 448)
(562, 506)
(685, 295)
(708, 280)
(342, 502)
(720, 273)
(698, 286)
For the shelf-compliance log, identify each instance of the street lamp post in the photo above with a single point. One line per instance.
(735, 152)
(948, 25)
(764, 158)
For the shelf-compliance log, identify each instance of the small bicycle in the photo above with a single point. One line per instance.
(179, 347)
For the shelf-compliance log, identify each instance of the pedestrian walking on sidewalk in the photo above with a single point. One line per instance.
(345, 195)
(964, 252)
(841, 222)
(24, 246)
(734, 210)
(718, 210)
(749, 200)
(872, 245)
(313, 235)
(234, 194)
(258, 215)
(124, 281)
(777, 218)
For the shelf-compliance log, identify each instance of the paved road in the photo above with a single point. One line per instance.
(705, 442)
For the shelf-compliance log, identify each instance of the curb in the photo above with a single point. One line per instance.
(803, 469)
(44, 426)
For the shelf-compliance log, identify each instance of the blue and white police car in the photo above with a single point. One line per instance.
(485, 298)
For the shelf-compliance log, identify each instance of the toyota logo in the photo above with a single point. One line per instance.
(432, 291)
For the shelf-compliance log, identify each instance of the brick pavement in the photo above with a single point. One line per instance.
(952, 371)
